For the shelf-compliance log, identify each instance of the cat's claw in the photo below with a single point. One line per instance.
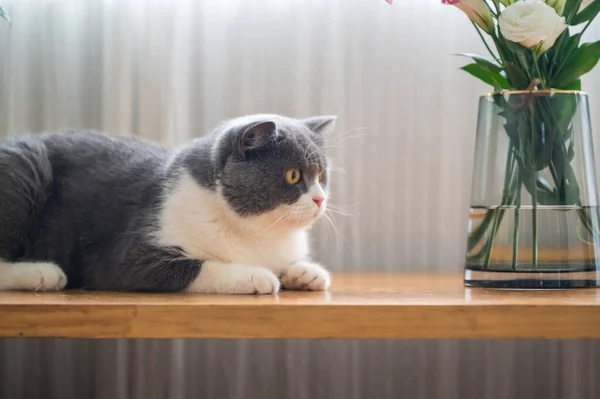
(306, 276)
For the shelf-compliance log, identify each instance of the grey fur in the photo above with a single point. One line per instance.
(88, 201)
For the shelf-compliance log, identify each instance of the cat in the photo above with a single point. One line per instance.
(226, 214)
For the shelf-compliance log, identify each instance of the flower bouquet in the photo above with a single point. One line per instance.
(534, 47)
(533, 219)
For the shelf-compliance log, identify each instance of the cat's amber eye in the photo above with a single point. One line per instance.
(321, 176)
(292, 176)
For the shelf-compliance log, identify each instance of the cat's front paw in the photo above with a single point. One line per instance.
(33, 276)
(224, 278)
(305, 276)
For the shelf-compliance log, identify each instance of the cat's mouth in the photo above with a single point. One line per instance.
(318, 214)
(306, 220)
(296, 216)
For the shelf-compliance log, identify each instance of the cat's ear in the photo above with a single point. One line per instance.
(257, 135)
(322, 125)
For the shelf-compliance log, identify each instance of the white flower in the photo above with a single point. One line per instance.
(584, 4)
(531, 23)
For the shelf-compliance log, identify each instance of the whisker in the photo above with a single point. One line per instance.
(279, 220)
(323, 221)
(308, 147)
(330, 220)
(338, 212)
(329, 146)
(347, 132)
(312, 148)
(337, 169)
(344, 206)
(316, 150)
(346, 138)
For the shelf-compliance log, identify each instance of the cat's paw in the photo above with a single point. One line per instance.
(225, 278)
(306, 276)
(34, 276)
(258, 281)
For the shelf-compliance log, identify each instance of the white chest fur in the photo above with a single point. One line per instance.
(199, 221)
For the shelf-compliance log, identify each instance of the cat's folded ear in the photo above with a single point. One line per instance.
(256, 136)
(322, 125)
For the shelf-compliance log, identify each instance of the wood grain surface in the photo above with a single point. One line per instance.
(357, 306)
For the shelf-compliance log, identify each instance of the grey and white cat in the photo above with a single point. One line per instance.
(226, 214)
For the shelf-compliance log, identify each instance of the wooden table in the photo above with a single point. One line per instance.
(358, 306)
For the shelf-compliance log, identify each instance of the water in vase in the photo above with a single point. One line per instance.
(501, 239)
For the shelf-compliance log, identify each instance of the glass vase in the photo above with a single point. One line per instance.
(533, 222)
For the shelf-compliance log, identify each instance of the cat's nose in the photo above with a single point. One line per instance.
(318, 200)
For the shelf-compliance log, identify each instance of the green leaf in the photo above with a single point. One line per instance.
(544, 143)
(557, 52)
(566, 181)
(484, 62)
(493, 79)
(544, 185)
(523, 56)
(560, 52)
(572, 41)
(515, 47)
(571, 8)
(587, 14)
(516, 76)
(4, 15)
(576, 85)
(503, 50)
(531, 181)
(563, 110)
(583, 60)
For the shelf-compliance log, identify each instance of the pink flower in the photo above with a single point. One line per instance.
(477, 11)
(389, 1)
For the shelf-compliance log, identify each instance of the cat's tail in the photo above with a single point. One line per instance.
(25, 183)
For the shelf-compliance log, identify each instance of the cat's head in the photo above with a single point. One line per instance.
(273, 170)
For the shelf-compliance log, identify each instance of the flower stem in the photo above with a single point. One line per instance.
(534, 253)
(537, 71)
(534, 201)
(499, 212)
(515, 249)
(585, 28)
(494, 13)
(487, 46)
(497, 5)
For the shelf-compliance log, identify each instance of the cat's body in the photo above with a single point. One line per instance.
(98, 212)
